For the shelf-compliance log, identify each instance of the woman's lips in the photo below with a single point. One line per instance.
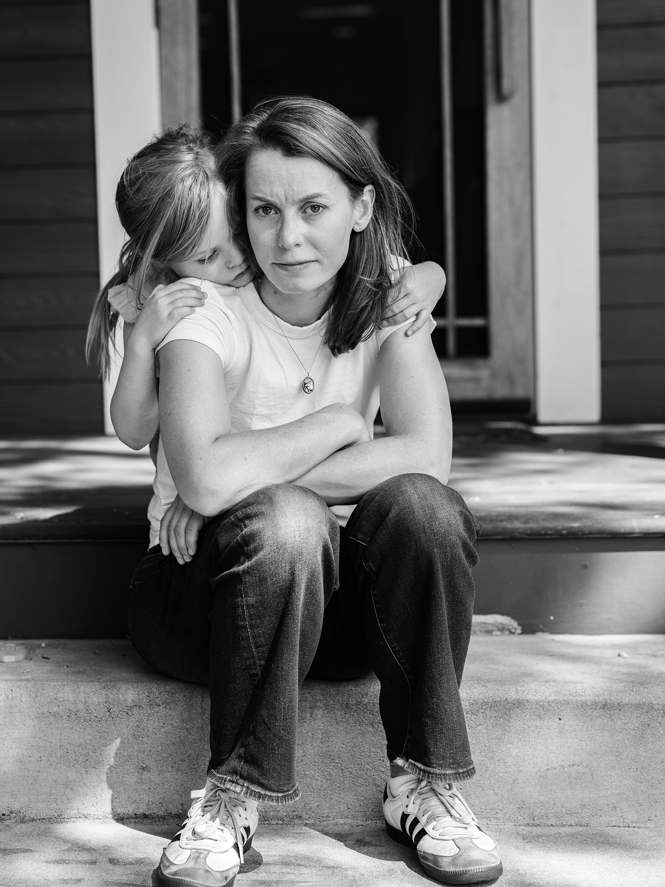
(292, 266)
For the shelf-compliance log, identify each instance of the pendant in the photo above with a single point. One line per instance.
(307, 385)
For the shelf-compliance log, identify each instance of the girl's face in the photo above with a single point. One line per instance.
(300, 216)
(218, 257)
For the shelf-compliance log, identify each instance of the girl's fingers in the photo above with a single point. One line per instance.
(421, 318)
(180, 550)
(192, 533)
(401, 316)
(164, 533)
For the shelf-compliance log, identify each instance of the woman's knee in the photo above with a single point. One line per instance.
(281, 524)
(422, 507)
(293, 518)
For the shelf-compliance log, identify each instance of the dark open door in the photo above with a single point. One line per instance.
(443, 88)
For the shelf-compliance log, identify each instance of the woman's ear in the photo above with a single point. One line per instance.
(364, 207)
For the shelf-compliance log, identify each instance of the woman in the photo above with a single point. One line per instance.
(267, 401)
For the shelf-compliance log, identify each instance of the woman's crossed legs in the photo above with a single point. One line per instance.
(247, 613)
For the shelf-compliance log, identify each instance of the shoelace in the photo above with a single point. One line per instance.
(213, 810)
(432, 797)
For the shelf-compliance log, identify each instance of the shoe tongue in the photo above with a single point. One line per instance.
(205, 828)
(399, 783)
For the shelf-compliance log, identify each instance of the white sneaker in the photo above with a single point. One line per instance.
(436, 820)
(208, 850)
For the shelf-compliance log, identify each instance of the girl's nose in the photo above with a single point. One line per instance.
(235, 256)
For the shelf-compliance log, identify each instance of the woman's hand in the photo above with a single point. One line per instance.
(416, 294)
(165, 306)
(179, 531)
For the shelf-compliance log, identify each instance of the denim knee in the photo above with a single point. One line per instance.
(420, 505)
(288, 525)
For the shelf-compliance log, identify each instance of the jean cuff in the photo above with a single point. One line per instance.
(433, 774)
(247, 790)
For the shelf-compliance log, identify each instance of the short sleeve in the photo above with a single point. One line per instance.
(122, 299)
(211, 324)
(383, 334)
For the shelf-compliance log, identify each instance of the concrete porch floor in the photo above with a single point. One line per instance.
(341, 854)
(520, 480)
(573, 528)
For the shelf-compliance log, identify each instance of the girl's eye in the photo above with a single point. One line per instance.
(210, 258)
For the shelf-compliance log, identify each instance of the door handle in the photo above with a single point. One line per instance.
(504, 28)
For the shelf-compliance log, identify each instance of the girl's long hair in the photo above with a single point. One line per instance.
(164, 200)
(301, 126)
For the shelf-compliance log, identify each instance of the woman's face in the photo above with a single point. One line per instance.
(300, 216)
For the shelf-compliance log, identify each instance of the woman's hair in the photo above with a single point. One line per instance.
(300, 126)
(164, 200)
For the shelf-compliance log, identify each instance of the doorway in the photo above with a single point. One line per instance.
(443, 88)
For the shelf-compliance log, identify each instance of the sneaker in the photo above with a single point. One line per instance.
(209, 848)
(436, 820)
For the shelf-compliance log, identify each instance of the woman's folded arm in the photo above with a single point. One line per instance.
(416, 413)
(212, 468)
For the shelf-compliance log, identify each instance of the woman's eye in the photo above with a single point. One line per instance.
(264, 211)
(315, 208)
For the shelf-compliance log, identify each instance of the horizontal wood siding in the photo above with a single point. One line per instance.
(47, 139)
(631, 167)
(634, 335)
(628, 12)
(45, 301)
(636, 111)
(631, 130)
(633, 279)
(48, 219)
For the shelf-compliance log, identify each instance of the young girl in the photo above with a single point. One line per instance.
(172, 206)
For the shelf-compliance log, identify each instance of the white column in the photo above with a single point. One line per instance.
(125, 64)
(565, 162)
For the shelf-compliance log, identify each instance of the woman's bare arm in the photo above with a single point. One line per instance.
(214, 469)
(416, 412)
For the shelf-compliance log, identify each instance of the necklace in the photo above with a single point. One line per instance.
(307, 383)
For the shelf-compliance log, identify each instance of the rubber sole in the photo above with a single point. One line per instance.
(476, 876)
(159, 880)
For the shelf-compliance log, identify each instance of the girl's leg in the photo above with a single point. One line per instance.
(244, 616)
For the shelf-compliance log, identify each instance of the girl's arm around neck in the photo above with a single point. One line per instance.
(416, 412)
(134, 406)
(212, 468)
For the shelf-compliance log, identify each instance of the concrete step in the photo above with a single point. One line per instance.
(566, 731)
(339, 854)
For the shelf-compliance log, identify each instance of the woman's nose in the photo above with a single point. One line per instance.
(289, 234)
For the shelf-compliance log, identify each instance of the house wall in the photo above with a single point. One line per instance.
(631, 118)
(48, 219)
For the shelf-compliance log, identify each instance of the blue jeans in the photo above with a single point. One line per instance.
(277, 591)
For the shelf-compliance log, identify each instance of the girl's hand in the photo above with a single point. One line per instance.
(420, 288)
(179, 531)
(165, 306)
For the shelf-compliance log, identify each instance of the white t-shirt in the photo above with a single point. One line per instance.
(263, 375)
